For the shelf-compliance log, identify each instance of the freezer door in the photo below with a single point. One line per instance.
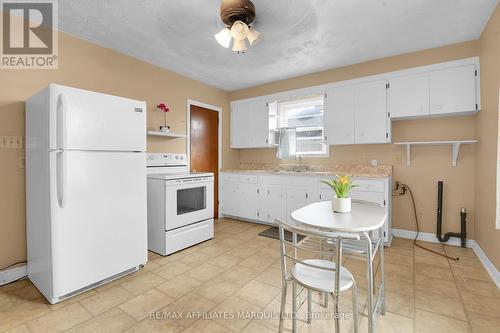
(86, 120)
(99, 221)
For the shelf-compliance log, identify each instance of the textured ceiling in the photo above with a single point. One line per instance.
(299, 36)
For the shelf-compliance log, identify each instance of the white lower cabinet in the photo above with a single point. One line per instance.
(296, 197)
(275, 203)
(266, 197)
(230, 200)
(247, 196)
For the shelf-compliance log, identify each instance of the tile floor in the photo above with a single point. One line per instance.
(240, 271)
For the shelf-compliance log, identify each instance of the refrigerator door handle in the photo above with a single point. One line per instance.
(62, 105)
(61, 177)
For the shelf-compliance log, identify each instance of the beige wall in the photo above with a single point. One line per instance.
(429, 164)
(85, 65)
(487, 235)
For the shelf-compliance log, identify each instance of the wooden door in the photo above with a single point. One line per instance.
(204, 147)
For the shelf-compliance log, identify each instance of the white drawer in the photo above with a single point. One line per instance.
(230, 177)
(187, 236)
(369, 185)
(296, 181)
(252, 179)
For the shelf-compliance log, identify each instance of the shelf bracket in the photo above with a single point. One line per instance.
(455, 147)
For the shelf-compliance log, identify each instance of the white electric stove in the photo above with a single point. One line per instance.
(180, 204)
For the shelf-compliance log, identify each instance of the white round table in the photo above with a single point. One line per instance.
(363, 219)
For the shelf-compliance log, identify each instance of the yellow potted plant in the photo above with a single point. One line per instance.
(341, 185)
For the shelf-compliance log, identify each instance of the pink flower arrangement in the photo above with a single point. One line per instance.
(164, 108)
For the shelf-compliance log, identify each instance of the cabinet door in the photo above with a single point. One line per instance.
(339, 115)
(325, 194)
(276, 203)
(408, 96)
(258, 123)
(239, 125)
(312, 185)
(373, 197)
(230, 202)
(371, 113)
(295, 199)
(453, 90)
(247, 198)
(263, 203)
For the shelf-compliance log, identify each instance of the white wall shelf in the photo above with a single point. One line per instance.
(168, 135)
(455, 147)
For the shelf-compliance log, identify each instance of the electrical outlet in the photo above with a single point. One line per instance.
(21, 162)
(15, 142)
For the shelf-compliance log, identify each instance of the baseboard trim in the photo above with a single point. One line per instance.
(428, 237)
(13, 274)
(488, 265)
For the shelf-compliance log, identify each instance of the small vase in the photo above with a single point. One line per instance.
(341, 205)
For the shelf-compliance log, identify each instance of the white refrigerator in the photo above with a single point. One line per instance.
(85, 189)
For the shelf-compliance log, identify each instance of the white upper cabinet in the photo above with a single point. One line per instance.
(408, 96)
(240, 135)
(249, 123)
(259, 124)
(453, 90)
(370, 116)
(339, 115)
(356, 114)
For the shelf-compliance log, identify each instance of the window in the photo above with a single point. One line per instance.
(306, 116)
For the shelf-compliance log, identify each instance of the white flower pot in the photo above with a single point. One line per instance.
(341, 205)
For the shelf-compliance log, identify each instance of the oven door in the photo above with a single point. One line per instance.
(188, 201)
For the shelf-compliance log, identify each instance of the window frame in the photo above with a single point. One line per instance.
(304, 101)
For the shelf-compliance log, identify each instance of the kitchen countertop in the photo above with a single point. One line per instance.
(352, 170)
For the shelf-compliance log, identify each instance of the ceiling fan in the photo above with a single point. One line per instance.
(237, 15)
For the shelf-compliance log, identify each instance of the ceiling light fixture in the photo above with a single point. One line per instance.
(237, 15)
